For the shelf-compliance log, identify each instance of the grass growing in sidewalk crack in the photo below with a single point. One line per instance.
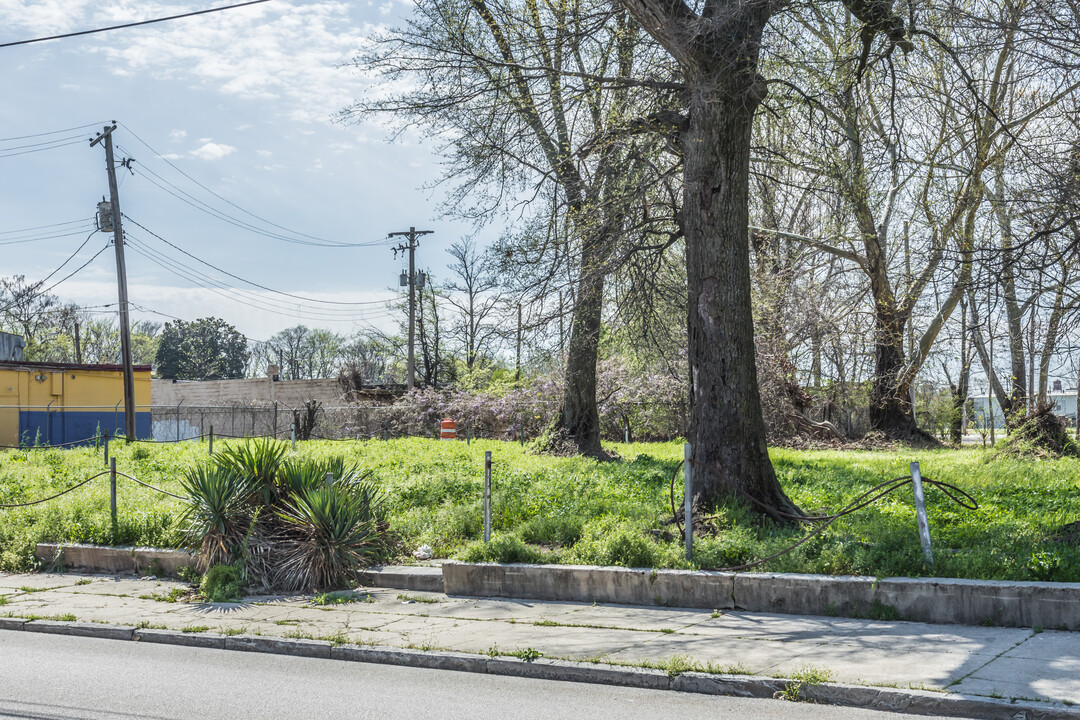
(406, 597)
(229, 632)
(84, 581)
(147, 625)
(553, 623)
(342, 598)
(66, 617)
(172, 596)
(195, 629)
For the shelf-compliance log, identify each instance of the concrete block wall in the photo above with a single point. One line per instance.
(210, 393)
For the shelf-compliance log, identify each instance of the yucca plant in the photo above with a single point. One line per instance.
(215, 519)
(331, 533)
(258, 460)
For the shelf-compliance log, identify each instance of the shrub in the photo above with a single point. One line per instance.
(611, 541)
(329, 533)
(223, 583)
(503, 548)
(215, 519)
(258, 461)
(564, 530)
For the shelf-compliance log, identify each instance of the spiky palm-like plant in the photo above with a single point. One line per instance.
(215, 519)
(331, 532)
(259, 460)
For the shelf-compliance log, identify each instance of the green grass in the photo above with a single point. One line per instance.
(575, 510)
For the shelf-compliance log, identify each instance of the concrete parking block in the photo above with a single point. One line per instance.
(174, 637)
(279, 646)
(440, 660)
(83, 629)
(579, 672)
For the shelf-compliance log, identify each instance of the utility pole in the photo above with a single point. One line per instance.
(517, 362)
(412, 235)
(121, 283)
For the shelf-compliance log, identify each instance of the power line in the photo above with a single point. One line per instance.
(41, 227)
(196, 276)
(41, 149)
(70, 258)
(315, 240)
(51, 132)
(251, 282)
(245, 298)
(130, 25)
(65, 278)
(39, 238)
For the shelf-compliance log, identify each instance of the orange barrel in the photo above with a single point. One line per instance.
(449, 430)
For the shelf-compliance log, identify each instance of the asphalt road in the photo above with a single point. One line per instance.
(47, 677)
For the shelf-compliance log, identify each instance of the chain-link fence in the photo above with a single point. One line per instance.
(410, 417)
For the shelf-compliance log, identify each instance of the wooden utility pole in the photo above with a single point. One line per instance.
(78, 344)
(517, 362)
(412, 235)
(121, 284)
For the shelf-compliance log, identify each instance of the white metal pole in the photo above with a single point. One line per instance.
(920, 510)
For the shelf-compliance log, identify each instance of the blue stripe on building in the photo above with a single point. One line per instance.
(38, 427)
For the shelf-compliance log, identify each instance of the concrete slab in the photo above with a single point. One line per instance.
(552, 642)
(492, 609)
(39, 581)
(904, 638)
(851, 664)
(633, 617)
(769, 626)
(725, 655)
(1024, 679)
(1053, 645)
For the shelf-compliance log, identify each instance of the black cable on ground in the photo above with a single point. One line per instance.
(867, 498)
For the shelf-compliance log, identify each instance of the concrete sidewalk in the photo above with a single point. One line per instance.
(1031, 668)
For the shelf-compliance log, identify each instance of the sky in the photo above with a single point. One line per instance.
(230, 120)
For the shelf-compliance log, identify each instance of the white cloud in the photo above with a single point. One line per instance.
(280, 51)
(264, 153)
(170, 156)
(213, 151)
(178, 134)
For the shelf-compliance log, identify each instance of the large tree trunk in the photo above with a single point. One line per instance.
(890, 394)
(580, 417)
(727, 432)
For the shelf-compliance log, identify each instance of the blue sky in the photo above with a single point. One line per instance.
(241, 101)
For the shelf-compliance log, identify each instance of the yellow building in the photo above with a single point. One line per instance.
(54, 403)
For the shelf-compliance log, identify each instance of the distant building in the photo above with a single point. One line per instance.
(54, 403)
(1064, 405)
(11, 347)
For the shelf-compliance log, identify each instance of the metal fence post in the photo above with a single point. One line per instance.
(106, 448)
(293, 435)
(112, 498)
(211, 440)
(688, 501)
(487, 496)
(920, 511)
(329, 479)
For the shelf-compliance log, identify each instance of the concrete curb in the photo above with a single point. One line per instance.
(933, 600)
(123, 559)
(918, 702)
(420, 578)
